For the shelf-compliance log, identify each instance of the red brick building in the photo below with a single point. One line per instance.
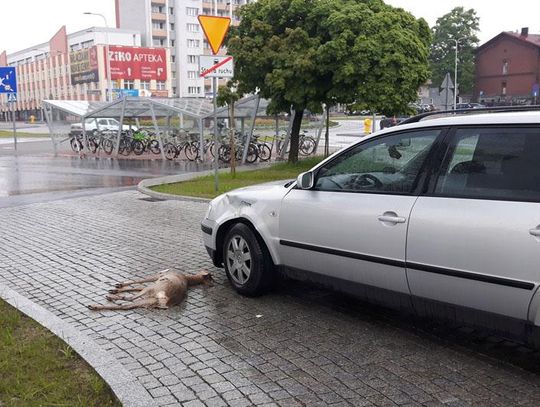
(508, 68)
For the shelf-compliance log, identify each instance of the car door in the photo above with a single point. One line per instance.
(103, 124)
(352, 224)
(474, 240)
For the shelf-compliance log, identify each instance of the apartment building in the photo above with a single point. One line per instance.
(74, 67)
(174, 23)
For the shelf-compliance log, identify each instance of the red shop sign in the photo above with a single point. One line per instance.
(138, 63)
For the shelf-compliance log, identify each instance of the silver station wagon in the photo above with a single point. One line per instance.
(440, 216)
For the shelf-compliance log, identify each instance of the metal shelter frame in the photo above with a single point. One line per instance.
(135, 107)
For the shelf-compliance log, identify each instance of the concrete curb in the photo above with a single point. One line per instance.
(145, 184)
(124, 385)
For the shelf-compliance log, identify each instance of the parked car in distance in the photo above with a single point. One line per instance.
(391, 121)
(439, 217)
(469, 105)
(93, 125)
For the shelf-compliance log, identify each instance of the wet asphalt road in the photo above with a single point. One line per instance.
(34, 174)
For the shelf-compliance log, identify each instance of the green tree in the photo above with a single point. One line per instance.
(461, 25)
(302, 53)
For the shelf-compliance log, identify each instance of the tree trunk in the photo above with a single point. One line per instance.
(295, 135)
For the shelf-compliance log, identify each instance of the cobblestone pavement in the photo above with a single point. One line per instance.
(296, 346)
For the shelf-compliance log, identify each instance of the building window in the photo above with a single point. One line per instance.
(192, 74)
(192, 11)
(145, 85)
(174, 90)
(129, 84)
(194, 28)
(194, 90)
(171, 10)
(193, 43)
(503, 89)
(505, 67)
(172, 26)
(156, 25)
(157, 42)
(206, 45)
(160, 85)
(192, 59)
(157, 9)
(173, 58)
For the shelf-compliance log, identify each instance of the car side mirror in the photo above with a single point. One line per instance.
(305, 180)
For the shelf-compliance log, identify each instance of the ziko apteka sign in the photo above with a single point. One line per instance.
(138, 63)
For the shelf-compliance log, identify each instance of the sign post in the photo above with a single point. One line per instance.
(8, 84)
(215, 29)
(535, 91)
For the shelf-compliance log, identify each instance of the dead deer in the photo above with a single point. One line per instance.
(168, 289)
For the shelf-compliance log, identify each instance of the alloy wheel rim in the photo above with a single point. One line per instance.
(239, 260)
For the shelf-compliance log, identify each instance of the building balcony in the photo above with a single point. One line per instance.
(159, 33)
(159, 16)
(159, 2)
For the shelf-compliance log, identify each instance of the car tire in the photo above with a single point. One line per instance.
(247, 262)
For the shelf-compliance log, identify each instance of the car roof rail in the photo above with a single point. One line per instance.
(494, 109)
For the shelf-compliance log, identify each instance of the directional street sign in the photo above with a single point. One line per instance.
(216, 67)
(8, 79)
(11, 97)
(215, 29)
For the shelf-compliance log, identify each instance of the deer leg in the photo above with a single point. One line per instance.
(150, 279)
(145, 303)
(115, 297)
(125, 290)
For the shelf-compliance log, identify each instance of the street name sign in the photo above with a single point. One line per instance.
(215, 29)
(216, 67)
(8, 79)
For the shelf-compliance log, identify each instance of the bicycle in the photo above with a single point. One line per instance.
(252, 155)
(100, 140)
(306, 144)
(264, 148)
(144, 141)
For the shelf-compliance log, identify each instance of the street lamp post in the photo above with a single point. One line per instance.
(108, 97)
(455, 71)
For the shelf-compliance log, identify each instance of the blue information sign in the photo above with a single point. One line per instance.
(8, 79)
(535, 89)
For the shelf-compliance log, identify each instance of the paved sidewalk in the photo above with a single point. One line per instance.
(296, 346)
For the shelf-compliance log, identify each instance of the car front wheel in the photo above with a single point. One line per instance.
(247, 262)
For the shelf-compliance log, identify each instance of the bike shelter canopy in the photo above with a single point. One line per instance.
(61, 114)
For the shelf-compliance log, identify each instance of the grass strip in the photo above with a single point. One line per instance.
(39, 369)
(9, 134)
(203, 187)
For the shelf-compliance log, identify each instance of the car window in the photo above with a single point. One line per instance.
(495, 163)
(388, 164)
(102, 122)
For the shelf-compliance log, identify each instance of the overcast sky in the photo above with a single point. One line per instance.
(26, 23)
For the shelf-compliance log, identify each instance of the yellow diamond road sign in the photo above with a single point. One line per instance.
(215, 29)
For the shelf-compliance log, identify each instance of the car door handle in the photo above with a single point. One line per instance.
(535, 232)
(392, 219)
